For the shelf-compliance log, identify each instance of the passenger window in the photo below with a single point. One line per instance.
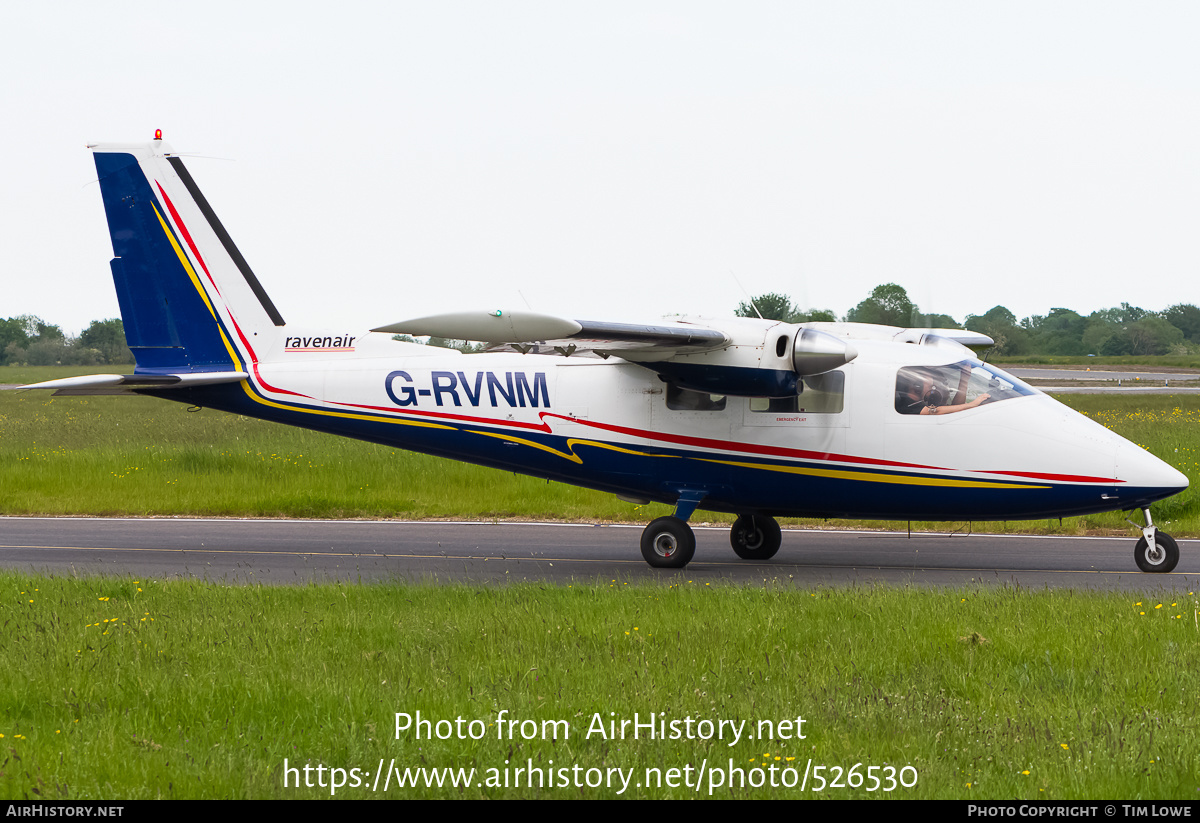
(687, 400)
(824, 393)
(819, 394)
(775, 405)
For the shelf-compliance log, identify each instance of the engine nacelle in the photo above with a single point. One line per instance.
(775, 375)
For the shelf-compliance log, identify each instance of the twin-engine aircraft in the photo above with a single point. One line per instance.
(753, 417)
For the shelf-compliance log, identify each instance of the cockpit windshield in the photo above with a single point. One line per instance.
(956, 387)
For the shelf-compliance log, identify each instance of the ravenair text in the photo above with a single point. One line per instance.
(480, 388)
(327, 342)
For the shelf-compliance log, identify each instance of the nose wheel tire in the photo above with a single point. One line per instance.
(1161, 558)
(668, 543)
(755, 537)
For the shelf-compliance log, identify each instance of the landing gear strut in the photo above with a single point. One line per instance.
(1156, 552)
(755, 537)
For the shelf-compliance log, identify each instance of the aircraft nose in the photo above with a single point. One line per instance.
(1146, 475)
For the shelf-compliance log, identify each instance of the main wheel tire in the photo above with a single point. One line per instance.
(668, 543)
(755, 537)
(1162, 558)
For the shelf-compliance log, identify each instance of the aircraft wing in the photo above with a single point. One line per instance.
(737, 359)
(94, 384)
(528, 331)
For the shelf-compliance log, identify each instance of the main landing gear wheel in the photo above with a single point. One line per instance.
(755, 537)
(1161, 558)
(668, 543)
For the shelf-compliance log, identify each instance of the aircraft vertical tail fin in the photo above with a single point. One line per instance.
(189, 300)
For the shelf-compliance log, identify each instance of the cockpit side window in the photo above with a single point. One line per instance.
(953, 388)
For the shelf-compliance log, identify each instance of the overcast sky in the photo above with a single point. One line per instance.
(612, 160)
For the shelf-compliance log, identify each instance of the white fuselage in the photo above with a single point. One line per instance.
(840, 449)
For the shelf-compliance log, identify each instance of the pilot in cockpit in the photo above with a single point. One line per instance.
(918, 393)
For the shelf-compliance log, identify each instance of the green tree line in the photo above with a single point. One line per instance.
(30, 341)
(1124, 330)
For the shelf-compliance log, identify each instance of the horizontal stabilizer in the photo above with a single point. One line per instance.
(93, 384)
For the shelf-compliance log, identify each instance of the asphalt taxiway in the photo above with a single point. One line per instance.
(290, 551)
(1102, 380)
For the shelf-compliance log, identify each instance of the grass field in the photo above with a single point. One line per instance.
(142, 456)
(123, 688)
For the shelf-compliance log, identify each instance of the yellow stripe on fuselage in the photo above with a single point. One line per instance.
(376, 418)
(574, 458)
(573, 442)
(875, 477)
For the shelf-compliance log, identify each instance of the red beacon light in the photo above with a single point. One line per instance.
(158, 134)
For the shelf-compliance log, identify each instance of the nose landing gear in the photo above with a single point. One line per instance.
(1156, 552)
